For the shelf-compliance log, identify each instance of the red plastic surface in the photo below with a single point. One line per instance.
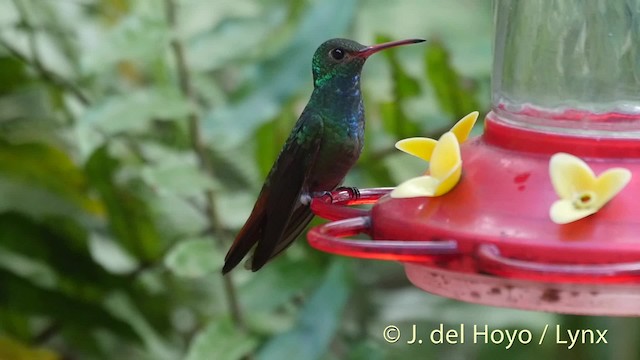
(513, 137)
(328, 238)
(492, 261)
(352, 221)
(335, 206)
(501, 206)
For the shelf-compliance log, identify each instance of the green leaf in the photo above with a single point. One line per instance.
(11, 349)
(376, 168)
(28, 268)
(456, 95)
(110, 255)
(221, 340)
(12, 73)
(405, 86)
(15, 323)
(402, 167)
(367, 350)
(317, 323)
(178, 176)
(130, 219)
(194, 258)
(394, 118)
(46, 170)
(37, 202)
(52, 253)
(134, 111)
(22, 296)
(283, 279)
(243, 39)
(176, 217)
(138, 37)
(122, 307)
(233, 171)
(270, 138)
(233, 208)
(194, 15)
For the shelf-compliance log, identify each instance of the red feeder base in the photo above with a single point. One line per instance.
(491, 241)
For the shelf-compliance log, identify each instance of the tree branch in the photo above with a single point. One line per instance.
(200, 149)
(35, 61)
(47, 74)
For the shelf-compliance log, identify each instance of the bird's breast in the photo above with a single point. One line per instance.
(340, 149)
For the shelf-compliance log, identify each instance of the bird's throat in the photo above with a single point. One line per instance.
(339, 96)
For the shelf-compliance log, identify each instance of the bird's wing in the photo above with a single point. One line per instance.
(300, 218)
(249, 234)
(288, 184)
(278, 216)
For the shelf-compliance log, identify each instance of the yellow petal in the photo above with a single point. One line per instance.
(445, 157)
(563, 212)
(417, 146)
(427, 186)
(445, 170)
(416, 187)
(609, 184)
(570, 175)
(463, 127)
(448, 182)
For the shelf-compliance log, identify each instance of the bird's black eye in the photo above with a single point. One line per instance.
(337, 54)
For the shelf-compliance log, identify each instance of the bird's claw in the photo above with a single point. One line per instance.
(333, 196)
(354, 193)
(318, 194)
(305, 199)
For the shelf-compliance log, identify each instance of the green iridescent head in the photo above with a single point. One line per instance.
(344, 57)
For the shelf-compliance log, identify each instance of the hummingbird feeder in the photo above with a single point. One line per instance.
(520, 229)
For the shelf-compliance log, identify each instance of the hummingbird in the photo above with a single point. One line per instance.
(324, 144)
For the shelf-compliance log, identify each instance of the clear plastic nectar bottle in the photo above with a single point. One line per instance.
(568, 66)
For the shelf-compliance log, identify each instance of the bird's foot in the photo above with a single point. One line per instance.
(332, 196)
(306, 198)
(337, 195)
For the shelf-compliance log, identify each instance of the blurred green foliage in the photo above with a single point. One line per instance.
(134, 136)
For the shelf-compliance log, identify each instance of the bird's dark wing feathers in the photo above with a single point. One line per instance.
(288, 185)
(278, 216)
(248, 235)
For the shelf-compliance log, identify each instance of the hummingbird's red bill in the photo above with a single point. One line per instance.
(368, 51)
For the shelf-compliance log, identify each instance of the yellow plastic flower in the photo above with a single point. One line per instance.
(445, 169)
(423, 147)
(581, 192)
(445, 162)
